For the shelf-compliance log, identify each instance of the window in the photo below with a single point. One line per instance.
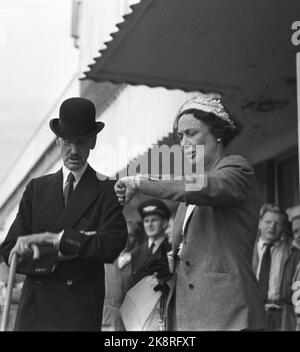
(278, 180)
(287, 181)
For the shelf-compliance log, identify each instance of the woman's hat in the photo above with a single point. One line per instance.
(154, 206)
(207, 103)
(76, 119)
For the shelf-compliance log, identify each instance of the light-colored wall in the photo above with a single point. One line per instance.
(40, 141)
(298, 101)
(138, 118)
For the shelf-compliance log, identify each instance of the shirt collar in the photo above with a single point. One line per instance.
(157, 242)
(261, 243)
(77, 173)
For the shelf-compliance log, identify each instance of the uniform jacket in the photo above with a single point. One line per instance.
(67, 295)
(142, 260)
(215, 286)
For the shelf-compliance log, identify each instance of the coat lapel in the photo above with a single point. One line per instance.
(83, 195)
(53, 201)
(177, 231)
(255, 259)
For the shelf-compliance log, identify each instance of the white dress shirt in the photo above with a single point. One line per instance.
(76, 173)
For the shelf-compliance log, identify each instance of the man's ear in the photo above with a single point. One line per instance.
(57, 141)
(93, 142)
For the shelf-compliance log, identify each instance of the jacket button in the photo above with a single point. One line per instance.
(191, 286)
(187, 263)
(39, 283)
(69, 282)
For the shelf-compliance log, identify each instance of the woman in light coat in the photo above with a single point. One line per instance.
(215, 225)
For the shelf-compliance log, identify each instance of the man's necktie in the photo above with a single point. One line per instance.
(151, 248)
(264, 274)
(69, 187)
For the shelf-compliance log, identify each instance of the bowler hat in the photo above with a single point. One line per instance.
(76, 119)
(154, 206)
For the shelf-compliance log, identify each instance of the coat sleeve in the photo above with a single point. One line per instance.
(230, 183)
(107, 241)
(22, 226)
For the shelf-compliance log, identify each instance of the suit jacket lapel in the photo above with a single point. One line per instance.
(83, 195)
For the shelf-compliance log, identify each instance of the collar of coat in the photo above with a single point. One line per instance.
(87, 190)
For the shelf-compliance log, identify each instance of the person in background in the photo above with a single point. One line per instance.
(117, 281)
(288, 318)
(72, 223)
(150, 262)
(296, 278)
(270, 256)
(215, 225)
(151, 256)
(296, 296)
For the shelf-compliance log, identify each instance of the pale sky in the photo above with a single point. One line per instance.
(37, 60)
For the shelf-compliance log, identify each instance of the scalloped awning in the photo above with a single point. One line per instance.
(232, 46)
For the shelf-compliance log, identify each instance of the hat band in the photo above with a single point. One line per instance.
(155, 211)
(207, 104)
(68, 129)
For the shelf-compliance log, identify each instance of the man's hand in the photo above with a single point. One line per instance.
(29, 243)
(125, 189)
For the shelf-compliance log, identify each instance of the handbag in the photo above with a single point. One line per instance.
(140, 310)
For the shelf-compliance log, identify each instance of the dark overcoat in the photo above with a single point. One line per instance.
(67, 295)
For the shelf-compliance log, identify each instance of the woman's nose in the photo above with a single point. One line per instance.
(185, 141)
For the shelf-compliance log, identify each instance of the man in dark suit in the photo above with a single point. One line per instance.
(73, 224)
(270, 257)
(151, 256)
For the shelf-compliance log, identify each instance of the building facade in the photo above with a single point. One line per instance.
(138, 118)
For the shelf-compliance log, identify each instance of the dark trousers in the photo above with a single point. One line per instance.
(273, 319)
